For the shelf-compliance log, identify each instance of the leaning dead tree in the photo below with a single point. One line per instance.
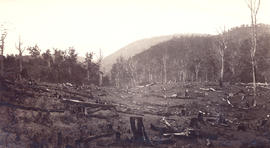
(3, 37)
(19, 48)
(222, 46)
(253, 6)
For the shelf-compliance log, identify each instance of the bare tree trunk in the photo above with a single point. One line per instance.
(179, 76)
(222, 70)
(88, 75)
(69, 71)
(21, 67)
(254, 6)
(196, 74)
(254, 81)
(2, 65)
(184, 76)
(164, 70)
(222, 46)
(100, 82)
(88, 71)
(49, 64)
(197, 69)
(2, 57)
(206, 76)
(233, 71)
(19, 48)
(117, 80)
(165, 67)
(3, 37)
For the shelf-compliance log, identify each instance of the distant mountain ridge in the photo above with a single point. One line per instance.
(133, 49)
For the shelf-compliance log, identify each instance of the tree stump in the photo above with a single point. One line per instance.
(139, 134)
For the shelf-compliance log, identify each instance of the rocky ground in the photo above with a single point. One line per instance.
(186, 115)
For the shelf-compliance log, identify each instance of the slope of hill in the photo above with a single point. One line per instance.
(197, 58)
(133, 49)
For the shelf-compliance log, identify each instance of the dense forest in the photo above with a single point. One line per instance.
(198, 58)
(57, 67)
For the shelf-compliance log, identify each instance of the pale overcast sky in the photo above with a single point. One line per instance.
(90, 25)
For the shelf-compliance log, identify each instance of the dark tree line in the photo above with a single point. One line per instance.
(198, 58)
(56, 66)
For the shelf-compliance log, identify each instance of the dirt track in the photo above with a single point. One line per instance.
(64, 115)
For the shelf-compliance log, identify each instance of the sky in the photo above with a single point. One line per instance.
(91, 25)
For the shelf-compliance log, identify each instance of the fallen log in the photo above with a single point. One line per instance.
(87, 104)
(129, 113)
(208, 89)
(91, 138)
(102, 116)
(30, 108)
(69, 91)
(163, 141)
(175, 96)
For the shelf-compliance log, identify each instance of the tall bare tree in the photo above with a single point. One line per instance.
(3, 37)
(88, 62)
(164, 61)
(21, 50)
(222, 42)
(132, 70)
(100, 57)
(253, 6)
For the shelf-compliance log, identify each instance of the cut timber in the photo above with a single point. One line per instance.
(187, 133)
(87, 104)
(30, 108)
(208, 89)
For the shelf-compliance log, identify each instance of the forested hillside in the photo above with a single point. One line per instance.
(56, 66)
(198, 58)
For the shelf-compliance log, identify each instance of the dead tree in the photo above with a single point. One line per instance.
(182, 70)
(88, 61)
(222, 46)
(164, 60)
(132, 71)
(19, 48)
(197, 70)
(254, 6)
(100, 58)
(3, 37)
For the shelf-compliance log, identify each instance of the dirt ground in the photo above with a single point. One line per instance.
(187, 115)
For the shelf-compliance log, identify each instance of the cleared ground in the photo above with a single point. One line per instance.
(174, 115)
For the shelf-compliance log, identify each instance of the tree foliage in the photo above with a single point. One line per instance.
(58, 67)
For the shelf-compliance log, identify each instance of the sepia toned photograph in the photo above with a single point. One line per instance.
(134, 73)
